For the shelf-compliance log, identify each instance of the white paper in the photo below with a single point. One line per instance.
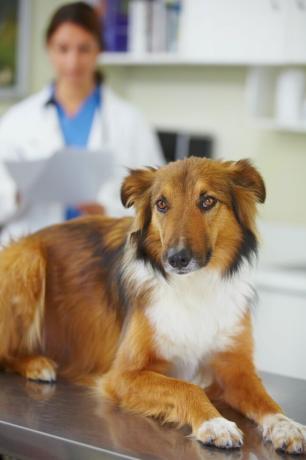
(69, 176)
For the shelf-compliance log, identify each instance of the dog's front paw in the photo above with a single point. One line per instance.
(41, 369)
(284, 433)
(220, 432)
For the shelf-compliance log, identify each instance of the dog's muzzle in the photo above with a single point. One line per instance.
(179, 259)
(182, 261)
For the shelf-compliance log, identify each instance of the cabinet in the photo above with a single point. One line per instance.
(280, 315)
(234, 31)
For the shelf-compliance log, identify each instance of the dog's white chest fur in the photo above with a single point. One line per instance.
(197, 315)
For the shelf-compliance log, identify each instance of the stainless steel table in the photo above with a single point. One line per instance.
(63, 421)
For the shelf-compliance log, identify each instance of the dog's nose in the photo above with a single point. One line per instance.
(179, 259)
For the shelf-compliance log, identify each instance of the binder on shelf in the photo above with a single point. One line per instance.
(173, 10)
(115, 22)
(157, 42)
(138, 26)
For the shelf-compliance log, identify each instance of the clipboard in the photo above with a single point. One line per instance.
(69, 176)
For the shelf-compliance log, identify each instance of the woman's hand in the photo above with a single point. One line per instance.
(91, 208)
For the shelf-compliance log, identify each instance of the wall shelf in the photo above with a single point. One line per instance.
(175, 59)
(272, 124)
(210, 33)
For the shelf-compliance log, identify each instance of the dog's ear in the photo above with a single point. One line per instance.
(248, 188)
(245, 176)
(135, 186)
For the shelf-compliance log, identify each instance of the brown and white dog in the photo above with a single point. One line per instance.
(153, 310)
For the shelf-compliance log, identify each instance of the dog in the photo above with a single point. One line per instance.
(153, 311)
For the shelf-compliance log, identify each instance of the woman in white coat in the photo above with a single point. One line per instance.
(76, 110)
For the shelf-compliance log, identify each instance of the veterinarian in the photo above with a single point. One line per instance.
(76, 110)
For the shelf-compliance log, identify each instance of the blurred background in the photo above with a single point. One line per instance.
(219, 78)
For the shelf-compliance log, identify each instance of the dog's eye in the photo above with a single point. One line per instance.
(161, 205)
(207, 202)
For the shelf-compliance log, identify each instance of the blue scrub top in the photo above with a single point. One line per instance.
(76, 128)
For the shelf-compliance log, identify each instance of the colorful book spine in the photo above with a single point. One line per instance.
(116, 25)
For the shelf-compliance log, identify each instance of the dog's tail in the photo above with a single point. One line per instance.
(22, 297)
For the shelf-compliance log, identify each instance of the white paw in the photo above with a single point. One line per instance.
(284, 433)
(41, 369)
(47, 375)
(220, 432)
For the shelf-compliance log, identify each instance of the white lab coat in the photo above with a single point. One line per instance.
(31, 130)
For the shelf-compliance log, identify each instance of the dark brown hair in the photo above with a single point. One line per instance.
(81, 14)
